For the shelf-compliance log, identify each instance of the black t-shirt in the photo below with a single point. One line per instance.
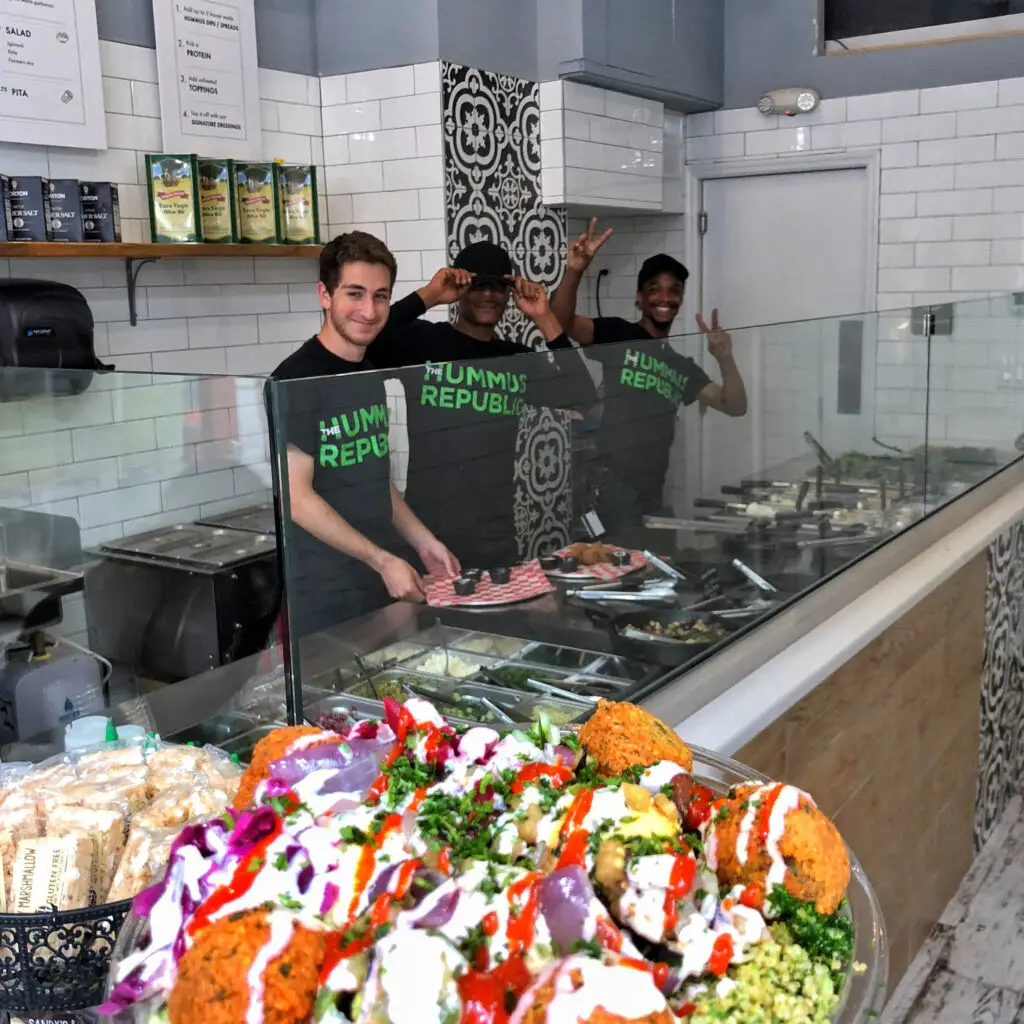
(338, 415)
(463, 398)
(644, 385)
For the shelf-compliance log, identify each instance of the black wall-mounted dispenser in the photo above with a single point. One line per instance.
(47, 345)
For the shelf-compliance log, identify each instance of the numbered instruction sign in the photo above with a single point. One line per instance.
(209, 80)
(51, 92)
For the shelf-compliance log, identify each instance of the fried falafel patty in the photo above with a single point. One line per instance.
(774, 835)
(620, 735)
(269, 749)
(215, 982)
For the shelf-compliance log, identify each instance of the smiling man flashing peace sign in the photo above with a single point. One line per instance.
(644, 383)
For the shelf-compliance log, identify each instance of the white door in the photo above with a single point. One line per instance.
(780, 248)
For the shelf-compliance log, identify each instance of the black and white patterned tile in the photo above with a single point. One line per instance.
(492, 178)
(1001, 750)
(492, 193)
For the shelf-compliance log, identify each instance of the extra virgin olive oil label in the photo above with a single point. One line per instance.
(217, 200)
(258, 214)
(297, 196)
(173, 181)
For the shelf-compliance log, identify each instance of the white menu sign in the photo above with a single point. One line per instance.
(209, 79)
(51, 91)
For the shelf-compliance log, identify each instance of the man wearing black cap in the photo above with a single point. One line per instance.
(463, 417)
(644, 385)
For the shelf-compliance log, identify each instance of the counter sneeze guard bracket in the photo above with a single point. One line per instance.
(132, 266)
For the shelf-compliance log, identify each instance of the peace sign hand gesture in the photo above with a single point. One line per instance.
(586, 247)
(719, 340)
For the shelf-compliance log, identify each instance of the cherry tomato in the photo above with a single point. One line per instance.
(698, 810)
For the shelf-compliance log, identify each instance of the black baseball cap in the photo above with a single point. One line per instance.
(662, 263)
(487, 261)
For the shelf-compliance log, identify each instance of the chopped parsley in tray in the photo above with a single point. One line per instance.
(407, 871)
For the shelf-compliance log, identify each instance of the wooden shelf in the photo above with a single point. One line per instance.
(150, 251)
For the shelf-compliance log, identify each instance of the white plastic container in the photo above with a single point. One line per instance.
(86, 732)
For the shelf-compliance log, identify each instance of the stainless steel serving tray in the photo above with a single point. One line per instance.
(193, 545)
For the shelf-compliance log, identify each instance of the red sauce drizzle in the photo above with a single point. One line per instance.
(444, 860)
(578, 810)
(721, 955)
(753, 896)
(241, 882)
(522, 920)
(680, 881)
(608, 935)
(558, 774)
(483, 993)
(365, 867)
(765, 812)
(575, 850)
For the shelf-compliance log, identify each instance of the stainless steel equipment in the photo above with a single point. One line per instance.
(178, 601)
(257, 519)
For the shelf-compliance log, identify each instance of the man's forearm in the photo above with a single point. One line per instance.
(563, 302)
(407, 523)
(315, 516)
(734, 393)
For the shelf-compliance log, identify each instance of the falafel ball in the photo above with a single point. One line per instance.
(583, 985)
(213, 976)
(619, 735)
(269, 749)
(766, 835)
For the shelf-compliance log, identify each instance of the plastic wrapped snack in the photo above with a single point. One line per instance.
(105, 829)
(131, 785)
(143, 862)
(51, 873)
(114, 758)
(185, 802)
(222, 772)
(16, 825)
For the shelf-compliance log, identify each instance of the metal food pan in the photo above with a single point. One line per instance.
(566, 659)
(401, 650)
(244, 744)
(415, 664)
(434, 688)
(218, 730)
(519, 705)
(492, 644)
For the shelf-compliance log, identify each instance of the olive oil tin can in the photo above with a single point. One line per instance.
(217, 212)
(258, 207)
(173, 182)
(300, 211)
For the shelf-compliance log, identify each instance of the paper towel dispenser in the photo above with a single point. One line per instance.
(46, 340)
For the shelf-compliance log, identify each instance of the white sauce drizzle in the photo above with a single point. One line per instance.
(622, 991)
(282, 927)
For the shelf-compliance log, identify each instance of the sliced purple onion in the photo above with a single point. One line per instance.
(565, 756)
(305, 879)
(380, 883)
(437, 909)
(565, 900)
(330, 897)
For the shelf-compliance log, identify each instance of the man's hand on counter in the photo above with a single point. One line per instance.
(401, 579)
(448, 285)
(437, 559)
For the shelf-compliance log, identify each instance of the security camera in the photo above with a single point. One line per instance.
(788, 102)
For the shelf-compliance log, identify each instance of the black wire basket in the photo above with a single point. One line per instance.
(58, 960)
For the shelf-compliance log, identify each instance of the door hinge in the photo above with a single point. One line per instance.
(702, 222)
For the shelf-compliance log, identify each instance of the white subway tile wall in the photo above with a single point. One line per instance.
(138, 451)
(600, 148)
(950, 229)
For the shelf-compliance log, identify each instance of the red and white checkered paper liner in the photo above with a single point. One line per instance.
(527, 581)
(604, 571)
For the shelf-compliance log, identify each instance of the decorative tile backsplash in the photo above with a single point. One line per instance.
(492, 178)
(492, 193)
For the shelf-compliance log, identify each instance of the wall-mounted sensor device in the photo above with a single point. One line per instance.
(788, 102)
